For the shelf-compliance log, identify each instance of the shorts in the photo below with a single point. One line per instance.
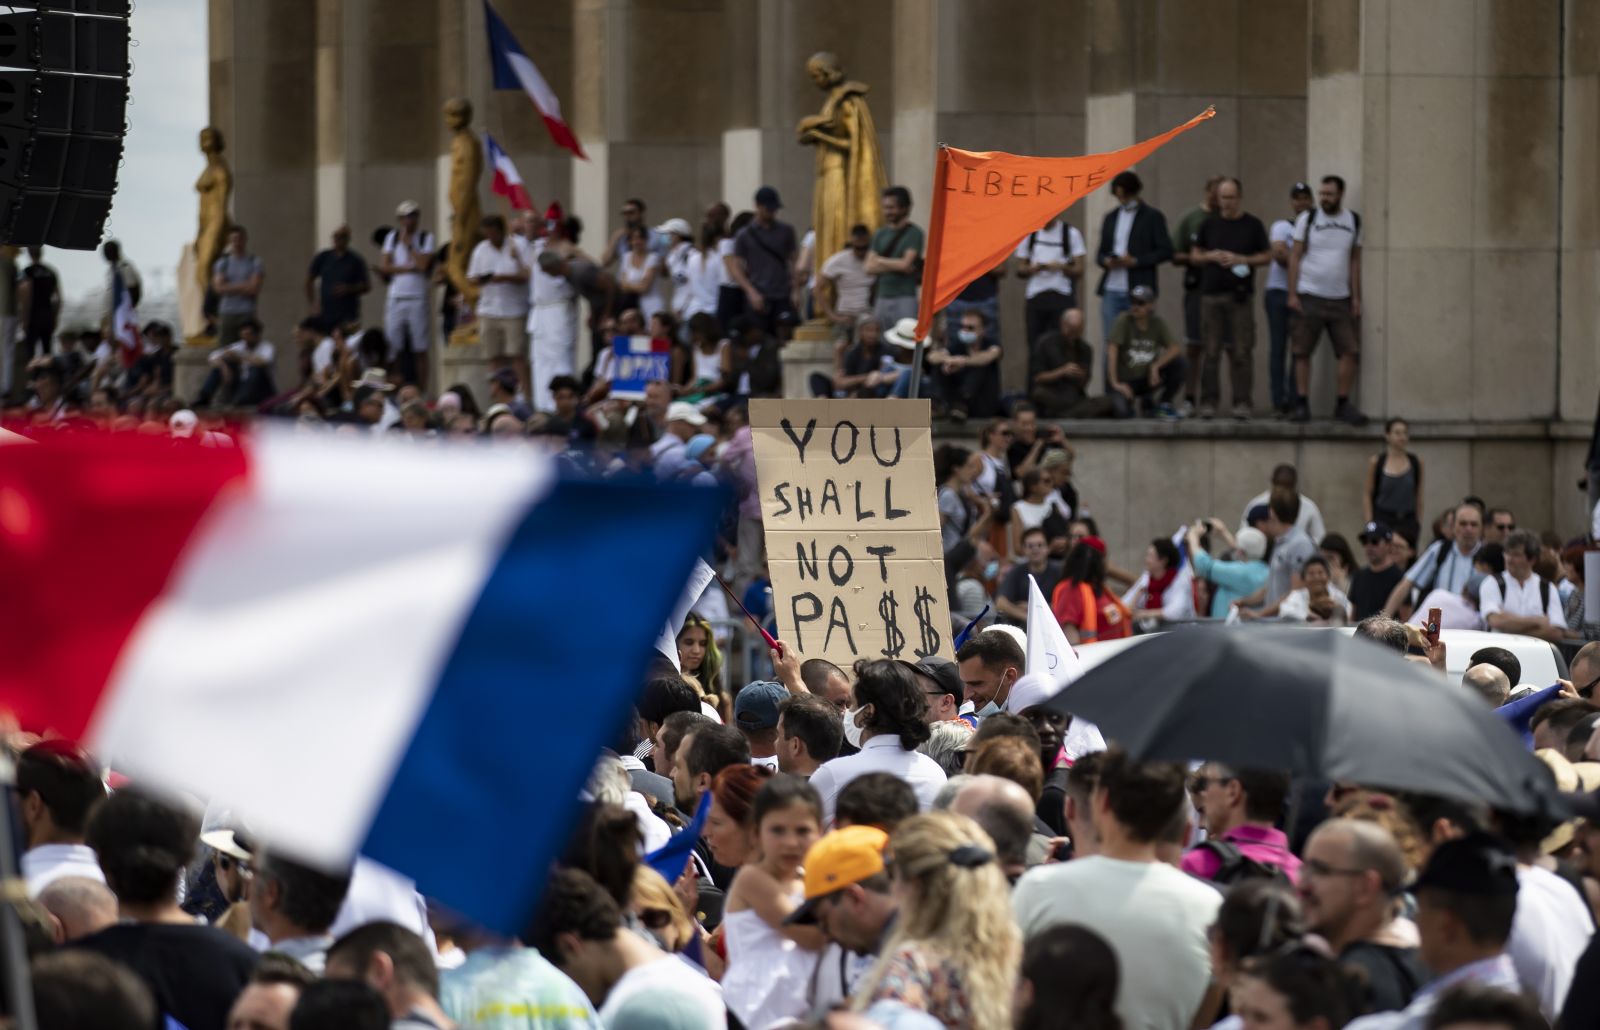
(1318, 313)
(504, 337)
(405, 324)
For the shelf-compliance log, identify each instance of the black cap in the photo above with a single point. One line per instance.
(1376, 532)
(766, 196)
(1300, 189)
(1477, 864)
(1260, 513)
(942, 671)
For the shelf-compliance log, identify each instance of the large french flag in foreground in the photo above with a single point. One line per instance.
(514, 69)
(407, 652)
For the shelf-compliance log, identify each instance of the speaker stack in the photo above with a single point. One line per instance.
(63, 106)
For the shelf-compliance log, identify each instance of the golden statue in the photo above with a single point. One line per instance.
(850, 177)
(466, 168)
(215, 187)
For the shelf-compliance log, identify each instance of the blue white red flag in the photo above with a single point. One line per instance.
(411, 653)
(513, 69)
(507, 182)
(124, 322)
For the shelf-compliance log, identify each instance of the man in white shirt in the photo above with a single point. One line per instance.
(1520, 600)
(632, 982)
(1325, 292)
(1309, 521)
(849, 292)
(500, 265)
(1154, 917)
(242, 370)
(1051, 262)
(58, 788)
(295, 905)
(1445, 564)
(407, 262)
(1275, 299)
(883, 726)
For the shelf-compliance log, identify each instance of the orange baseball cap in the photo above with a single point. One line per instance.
(837, 860)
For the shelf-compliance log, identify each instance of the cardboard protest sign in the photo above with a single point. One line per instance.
(851, 514)
(636, 361)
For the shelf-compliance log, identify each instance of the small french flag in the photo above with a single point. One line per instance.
(507, 182)
(411, 653)
(514, 70)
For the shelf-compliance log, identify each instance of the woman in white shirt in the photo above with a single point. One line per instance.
(638, 271)
(703, 276)
(1039, 500)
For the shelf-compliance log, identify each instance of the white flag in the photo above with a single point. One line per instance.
(700, 577)
(1049, 653)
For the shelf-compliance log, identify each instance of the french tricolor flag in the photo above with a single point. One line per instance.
(514, 70)
(507, 181)
(406, 652)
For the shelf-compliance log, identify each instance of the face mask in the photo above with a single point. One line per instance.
(966, 336)
(989, 709)
(991, 570)
(852, 732)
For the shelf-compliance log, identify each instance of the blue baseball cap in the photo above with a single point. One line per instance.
(756, 707)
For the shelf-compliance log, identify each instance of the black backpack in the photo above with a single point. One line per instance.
(1237, 866)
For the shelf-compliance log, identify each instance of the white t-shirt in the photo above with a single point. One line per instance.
(703, 277)
(1154, 917)
(1309, 521)
(849, 276)
(407, 285)
(882, 753)
(47, 863)
(1325, 265)
(1282, 231)
(1550, 930)
(675, 265)
(632, 277)
(501, 300)
(1296, 605)
(263, 349)
(1048, 245)
(668, 980)
(1525, 598)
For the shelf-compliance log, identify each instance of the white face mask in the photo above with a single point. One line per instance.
(852, 732)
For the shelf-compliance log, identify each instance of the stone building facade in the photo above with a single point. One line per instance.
(1468, 131)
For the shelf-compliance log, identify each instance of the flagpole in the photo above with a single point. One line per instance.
(930, 264)
(18, 980)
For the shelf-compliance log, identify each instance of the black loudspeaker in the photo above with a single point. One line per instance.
(63, 104)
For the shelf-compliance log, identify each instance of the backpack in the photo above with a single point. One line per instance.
(1311, 222)
(894, 241)
(1237, 866)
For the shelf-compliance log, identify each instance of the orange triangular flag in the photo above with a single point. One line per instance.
(985, 203)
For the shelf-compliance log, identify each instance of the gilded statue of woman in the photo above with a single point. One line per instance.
(215, 187)
(850, 175)
(466, 168)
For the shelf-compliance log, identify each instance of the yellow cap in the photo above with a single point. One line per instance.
(837, 860)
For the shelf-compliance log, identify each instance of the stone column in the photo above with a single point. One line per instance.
(1153, 66)
(987, 75)
(1448, 129)
(262, 83)
(647, 106)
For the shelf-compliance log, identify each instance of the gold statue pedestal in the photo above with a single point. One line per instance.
(810, 351)
(190, 365)
(191, 303)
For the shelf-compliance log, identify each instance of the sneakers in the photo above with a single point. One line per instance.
(1241, 412)
(1167, 413)
(958, 414)
(1186, 409)
(1349, 414)
(1208, 410)
(1302, 412)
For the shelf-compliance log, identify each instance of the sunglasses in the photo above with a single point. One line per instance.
(1587, 690)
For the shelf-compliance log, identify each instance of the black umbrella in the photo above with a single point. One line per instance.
(1317, 703)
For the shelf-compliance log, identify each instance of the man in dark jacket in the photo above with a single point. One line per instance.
(1133, 245)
